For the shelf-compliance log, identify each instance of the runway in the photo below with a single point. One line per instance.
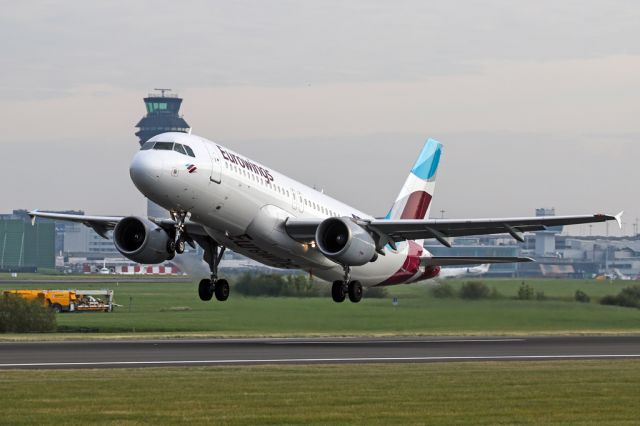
(106, 279)
(148, 353)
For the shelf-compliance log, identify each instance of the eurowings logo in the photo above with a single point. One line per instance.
(191, 168)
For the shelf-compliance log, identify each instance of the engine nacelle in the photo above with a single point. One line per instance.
(141, 240)
(345, 242)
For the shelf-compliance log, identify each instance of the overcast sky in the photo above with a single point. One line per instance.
(537, 103)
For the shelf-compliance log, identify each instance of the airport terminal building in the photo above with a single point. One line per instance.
(26, 248)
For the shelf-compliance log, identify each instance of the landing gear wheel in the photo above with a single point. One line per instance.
(337, 291)
(180, 246)
(171, 247)
(213, 253)
(355, 291)
(222, 290)
(205, 290)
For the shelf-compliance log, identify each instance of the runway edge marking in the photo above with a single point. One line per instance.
(317, 360)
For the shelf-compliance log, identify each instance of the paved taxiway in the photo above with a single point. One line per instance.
(145, 353)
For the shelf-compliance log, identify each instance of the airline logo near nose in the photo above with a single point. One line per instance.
(191, 168)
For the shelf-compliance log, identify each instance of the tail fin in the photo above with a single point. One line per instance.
(414, 199)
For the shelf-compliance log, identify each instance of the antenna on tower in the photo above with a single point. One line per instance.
(162, 91)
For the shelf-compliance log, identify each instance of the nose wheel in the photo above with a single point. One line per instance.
(181, 239)
(180, 245)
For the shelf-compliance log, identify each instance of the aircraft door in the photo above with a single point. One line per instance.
(300, 203)
(216, 166)
(294, 204)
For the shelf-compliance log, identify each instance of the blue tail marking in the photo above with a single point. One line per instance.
(427, 163)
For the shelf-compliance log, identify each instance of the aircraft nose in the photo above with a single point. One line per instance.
(145, 170)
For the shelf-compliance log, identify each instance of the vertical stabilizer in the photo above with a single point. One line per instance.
(414, 200)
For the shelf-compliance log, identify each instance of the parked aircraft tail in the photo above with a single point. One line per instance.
(414, 199)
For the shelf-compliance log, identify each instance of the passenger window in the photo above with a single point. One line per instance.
(147, 145)
(178, 148)
(189, 151)
(163, 146)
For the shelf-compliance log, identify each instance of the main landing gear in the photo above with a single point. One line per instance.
(208, 287)
(341, 288)
(213, 252)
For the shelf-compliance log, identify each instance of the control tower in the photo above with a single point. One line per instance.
(162, 116)
(546, 240)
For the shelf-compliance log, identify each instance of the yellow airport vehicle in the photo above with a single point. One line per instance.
(70, 300)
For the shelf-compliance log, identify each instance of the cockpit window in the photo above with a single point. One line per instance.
(179, 148)
(169, 146)
(163, 146)
(189, 151)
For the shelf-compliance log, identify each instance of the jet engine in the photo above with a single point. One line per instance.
(141, 240)
(345, 242)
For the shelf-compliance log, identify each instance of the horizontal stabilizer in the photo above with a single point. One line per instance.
(463, 260)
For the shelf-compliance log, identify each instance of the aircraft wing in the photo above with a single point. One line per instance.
(442, 229)
(392, 231)
(100, 224)
(103, 224)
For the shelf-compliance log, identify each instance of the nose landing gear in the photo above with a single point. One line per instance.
(178, 244)
(341, 288)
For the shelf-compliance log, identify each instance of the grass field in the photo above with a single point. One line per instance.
(167, 308)
(552, 392)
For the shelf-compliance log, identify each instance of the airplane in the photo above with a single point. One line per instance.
(619, 275)
(219, 199)
(464, 272)
(104, 269)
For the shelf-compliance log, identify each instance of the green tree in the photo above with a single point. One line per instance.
(18, 315)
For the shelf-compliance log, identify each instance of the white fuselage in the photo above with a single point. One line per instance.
(243, 205)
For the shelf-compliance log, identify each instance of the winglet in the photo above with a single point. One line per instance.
(618, 218)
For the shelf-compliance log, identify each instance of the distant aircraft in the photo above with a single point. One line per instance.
(218, 199)
(619, 275)
(104, 269)
(475, 271)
